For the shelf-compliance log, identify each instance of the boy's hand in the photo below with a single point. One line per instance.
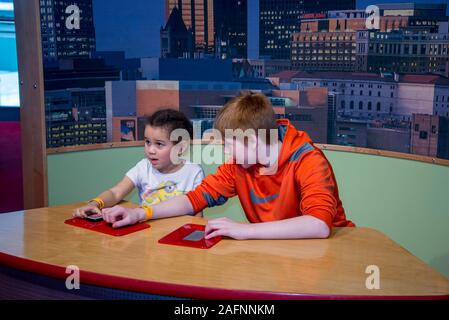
(120, 216)
(87, 210)
(227, 227)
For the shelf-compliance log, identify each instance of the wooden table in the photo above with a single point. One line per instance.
(38, 241)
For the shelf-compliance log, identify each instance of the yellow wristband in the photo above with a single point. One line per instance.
(148, 212)
(99, 201)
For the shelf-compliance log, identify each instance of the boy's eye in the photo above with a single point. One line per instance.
(147, 142)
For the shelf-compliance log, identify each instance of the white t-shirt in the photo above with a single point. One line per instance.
(155, 187)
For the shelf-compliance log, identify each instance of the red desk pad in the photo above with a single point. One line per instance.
(104, 227)
(190, 235)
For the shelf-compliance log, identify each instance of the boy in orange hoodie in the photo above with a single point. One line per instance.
(293, 197)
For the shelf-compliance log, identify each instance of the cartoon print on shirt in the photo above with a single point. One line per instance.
(163, 191)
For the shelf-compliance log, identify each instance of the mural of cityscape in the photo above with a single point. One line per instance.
(354, 73)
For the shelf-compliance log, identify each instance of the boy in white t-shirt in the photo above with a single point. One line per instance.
(162, 174)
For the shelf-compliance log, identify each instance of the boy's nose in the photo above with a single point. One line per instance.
(151, 150)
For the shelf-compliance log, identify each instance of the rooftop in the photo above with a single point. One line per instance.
(287, 76)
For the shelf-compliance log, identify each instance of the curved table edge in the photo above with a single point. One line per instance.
(183, 290)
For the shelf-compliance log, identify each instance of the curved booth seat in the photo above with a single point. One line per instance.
(38, 244)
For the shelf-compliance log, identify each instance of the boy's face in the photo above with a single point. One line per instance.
(158, 148)
(243, 152)
(250, 151)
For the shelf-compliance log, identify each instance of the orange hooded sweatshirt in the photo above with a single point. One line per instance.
(304, 184)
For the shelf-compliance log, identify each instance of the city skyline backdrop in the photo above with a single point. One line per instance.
(130, 35)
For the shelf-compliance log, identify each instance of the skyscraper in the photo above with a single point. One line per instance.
(61, 37)
(218, 26)
(176, 39)
(280, 18)
(231, 28)
(198, 15)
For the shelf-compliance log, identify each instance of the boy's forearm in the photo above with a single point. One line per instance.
(304, 227)
(108, 198)
(173, 207)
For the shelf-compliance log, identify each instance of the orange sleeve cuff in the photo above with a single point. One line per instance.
(195, 200)
(322, 215)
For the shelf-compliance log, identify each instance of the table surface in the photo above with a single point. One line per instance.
(38, 241)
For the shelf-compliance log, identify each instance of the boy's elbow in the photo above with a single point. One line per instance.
(322, 230)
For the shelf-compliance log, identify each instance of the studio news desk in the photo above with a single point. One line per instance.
(38, 243)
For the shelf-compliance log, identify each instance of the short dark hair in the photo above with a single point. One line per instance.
(170, 120)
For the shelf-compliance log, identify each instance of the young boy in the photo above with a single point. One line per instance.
(156, 177)
(298, 199)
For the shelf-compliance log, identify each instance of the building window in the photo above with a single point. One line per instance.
(360, 105)
(434, 129)
(378, 93)
(342, 104)
(423, 135)
(378, 106)
(351, 105)
(417, 127)
(369, 105)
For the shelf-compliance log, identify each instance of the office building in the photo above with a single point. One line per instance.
(198, 16)
(279, 19)
(430, 136)
(231, 28)
(376, 96)
(176, 39)
(60, 41)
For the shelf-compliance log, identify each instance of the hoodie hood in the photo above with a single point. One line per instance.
(294, 142)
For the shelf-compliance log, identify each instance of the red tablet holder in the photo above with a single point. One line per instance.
(104, 227)
(178, 237)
